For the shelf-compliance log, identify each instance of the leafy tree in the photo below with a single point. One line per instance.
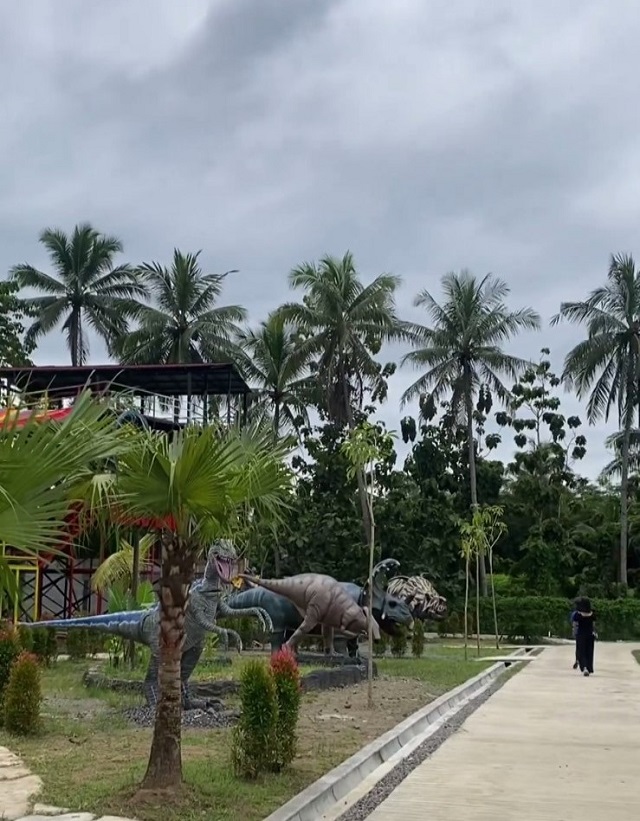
(364, 448)
(606, 365)
(277, 371)
(86, 289)
(462, 351)
(14, 352)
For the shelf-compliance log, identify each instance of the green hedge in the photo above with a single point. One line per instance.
(534, 617)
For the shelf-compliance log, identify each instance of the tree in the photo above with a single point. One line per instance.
(364, 448)
(462, 351)
(86, 289)
(44, 470)
(194, 488)
(341, 325)
(479, 538)
(277, 372)
(14, 352)
(606, 365)
(184, 324)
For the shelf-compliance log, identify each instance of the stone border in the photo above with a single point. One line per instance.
(327, 791)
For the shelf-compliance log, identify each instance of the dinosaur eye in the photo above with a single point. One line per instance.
(393, 604)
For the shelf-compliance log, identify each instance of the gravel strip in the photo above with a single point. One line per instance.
(383, 789)
(195, 719)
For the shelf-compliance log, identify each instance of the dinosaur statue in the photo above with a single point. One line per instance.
(204, 606)
(421, 596)
(388, 611)
(320, 600)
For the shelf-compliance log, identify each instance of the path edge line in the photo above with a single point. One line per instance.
(329, 789)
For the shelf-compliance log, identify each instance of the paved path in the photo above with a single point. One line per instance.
(548, 746)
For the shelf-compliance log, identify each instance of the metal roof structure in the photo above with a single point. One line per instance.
(162, 380)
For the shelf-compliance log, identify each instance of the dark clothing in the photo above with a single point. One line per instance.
(585, 640)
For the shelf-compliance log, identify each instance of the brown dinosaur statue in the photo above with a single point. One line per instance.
(320, 600)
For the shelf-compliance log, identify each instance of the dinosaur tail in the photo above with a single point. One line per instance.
(126, 625)
(280, 586)
(248, 598)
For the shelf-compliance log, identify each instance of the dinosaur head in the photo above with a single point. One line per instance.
(425, 601)
(222, 564)
(390, 610)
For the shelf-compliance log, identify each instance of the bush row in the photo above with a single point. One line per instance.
(535, 617)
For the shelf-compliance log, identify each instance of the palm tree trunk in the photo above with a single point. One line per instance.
(472, 477)
(135, 577)
(164, 770)
(360, 477)
(624, 501)
(276, 419)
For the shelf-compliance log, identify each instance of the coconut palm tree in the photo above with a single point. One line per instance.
(278, 373)
(85, 290)
(462, 350)
(341, 325)
(194, 487)
(184, 324)
(606, 365)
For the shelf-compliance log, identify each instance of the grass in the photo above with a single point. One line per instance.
(95, 762)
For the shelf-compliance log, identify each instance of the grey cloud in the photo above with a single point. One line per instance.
(425, 137)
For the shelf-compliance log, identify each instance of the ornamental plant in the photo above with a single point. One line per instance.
(23, 695)
(417, 639)
(286, 677)
(9, 652)
(254, 736)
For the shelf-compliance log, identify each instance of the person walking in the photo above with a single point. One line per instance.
(574, 634)
(584, 620)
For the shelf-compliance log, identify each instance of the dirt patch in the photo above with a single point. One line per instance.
(80, 708)
(333, 713)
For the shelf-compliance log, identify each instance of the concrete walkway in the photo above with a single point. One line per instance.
(548, 746)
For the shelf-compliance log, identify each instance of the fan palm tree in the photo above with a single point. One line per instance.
(606, 365)
(195, 487)
(183, 325)
(86, 289)
(341, 325)
(462, 350)
(278, 371)
(45, 467)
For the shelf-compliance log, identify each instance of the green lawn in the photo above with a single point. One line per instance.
(91, 759)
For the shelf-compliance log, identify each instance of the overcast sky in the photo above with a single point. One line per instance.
(425, 136)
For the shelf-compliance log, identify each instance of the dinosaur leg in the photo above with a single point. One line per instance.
(190, 658)
(309, 622)
(327, 640)
(277, 640)
(150, 683)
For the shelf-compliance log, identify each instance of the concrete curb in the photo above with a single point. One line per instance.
(317, 798)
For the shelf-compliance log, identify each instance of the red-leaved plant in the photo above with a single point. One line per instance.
(286, 676)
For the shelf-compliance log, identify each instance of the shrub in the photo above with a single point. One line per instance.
(380, 646)
(77, 643)
(25, 637)
(399, 643)
(286, 676)
(44, 645)
(253, 737)
(9, 652)
(22, 696)
(535, 617)
(417, 639)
